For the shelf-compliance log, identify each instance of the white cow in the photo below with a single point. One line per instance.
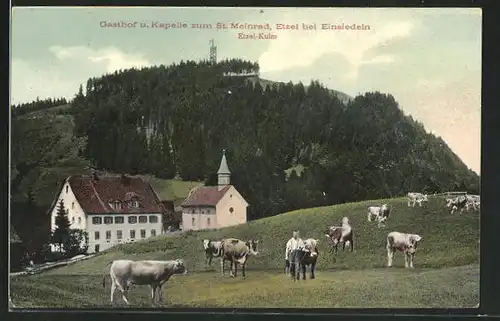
(402, 242)
(123, 273)
(381, 214)
(473, 201)
(416, 198)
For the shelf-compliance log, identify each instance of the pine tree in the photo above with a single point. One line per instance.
(61, 233)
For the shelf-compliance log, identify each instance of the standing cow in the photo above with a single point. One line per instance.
(123, 273)
(402, 242)
(459, 203)
(380, 213)
(237, 252)
(414, 198)
(341, 234)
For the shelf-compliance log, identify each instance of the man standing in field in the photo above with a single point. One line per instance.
(293, 244)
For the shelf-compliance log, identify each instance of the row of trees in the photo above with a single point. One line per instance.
(24, 108)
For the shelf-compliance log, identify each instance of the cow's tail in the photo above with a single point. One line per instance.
(104, 276)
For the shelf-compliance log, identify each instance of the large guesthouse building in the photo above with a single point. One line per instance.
(111, 209)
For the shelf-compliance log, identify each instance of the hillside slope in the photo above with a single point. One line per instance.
(446, 273)
(448, 240)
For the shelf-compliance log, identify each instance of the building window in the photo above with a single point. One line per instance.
(134, 204)
(72, 205)
(208, 221)
(108, 220)
(132, 234)
(96, 235)
(108, 235)
(231, 195)
(132, 219)
(72, 220)
(143, 234)
(119, 220)
(231, 210)
(153, 219)
(153, 232)
(79, 220)
(192, 221)
(96, 220)
(66, 188)
(192, 211)
(119, 234)
(117, 205)
(143, 219)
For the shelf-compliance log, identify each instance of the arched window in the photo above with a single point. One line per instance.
(192, 221)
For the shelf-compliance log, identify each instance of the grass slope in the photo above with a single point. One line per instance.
(446, 273)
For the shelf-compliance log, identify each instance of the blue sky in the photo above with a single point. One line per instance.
(429, 59)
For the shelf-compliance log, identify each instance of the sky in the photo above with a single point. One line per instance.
(429, 59)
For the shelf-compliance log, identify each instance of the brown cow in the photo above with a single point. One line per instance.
(237, 252)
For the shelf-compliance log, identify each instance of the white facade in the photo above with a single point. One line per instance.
(104, 229)
(107, 230)
(232, 208)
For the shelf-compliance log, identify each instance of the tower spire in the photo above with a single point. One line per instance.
(223, 174)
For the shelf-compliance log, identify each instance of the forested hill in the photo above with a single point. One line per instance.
(289, 146)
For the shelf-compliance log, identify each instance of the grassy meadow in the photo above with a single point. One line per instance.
(446, 270)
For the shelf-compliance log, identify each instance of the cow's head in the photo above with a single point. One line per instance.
(206, 244)
(345, 220)
(253, 246)
(415, 238)
(179, 267)
(424, 198)
(412, 246)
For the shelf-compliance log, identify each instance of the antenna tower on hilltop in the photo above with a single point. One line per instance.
(213, 52)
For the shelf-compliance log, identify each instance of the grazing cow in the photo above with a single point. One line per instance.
(212, 249)
(302, 257)
(341, 234)
(123, 273)
(416, 198)
(381, 214)
(237, 252)
(402, 242)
